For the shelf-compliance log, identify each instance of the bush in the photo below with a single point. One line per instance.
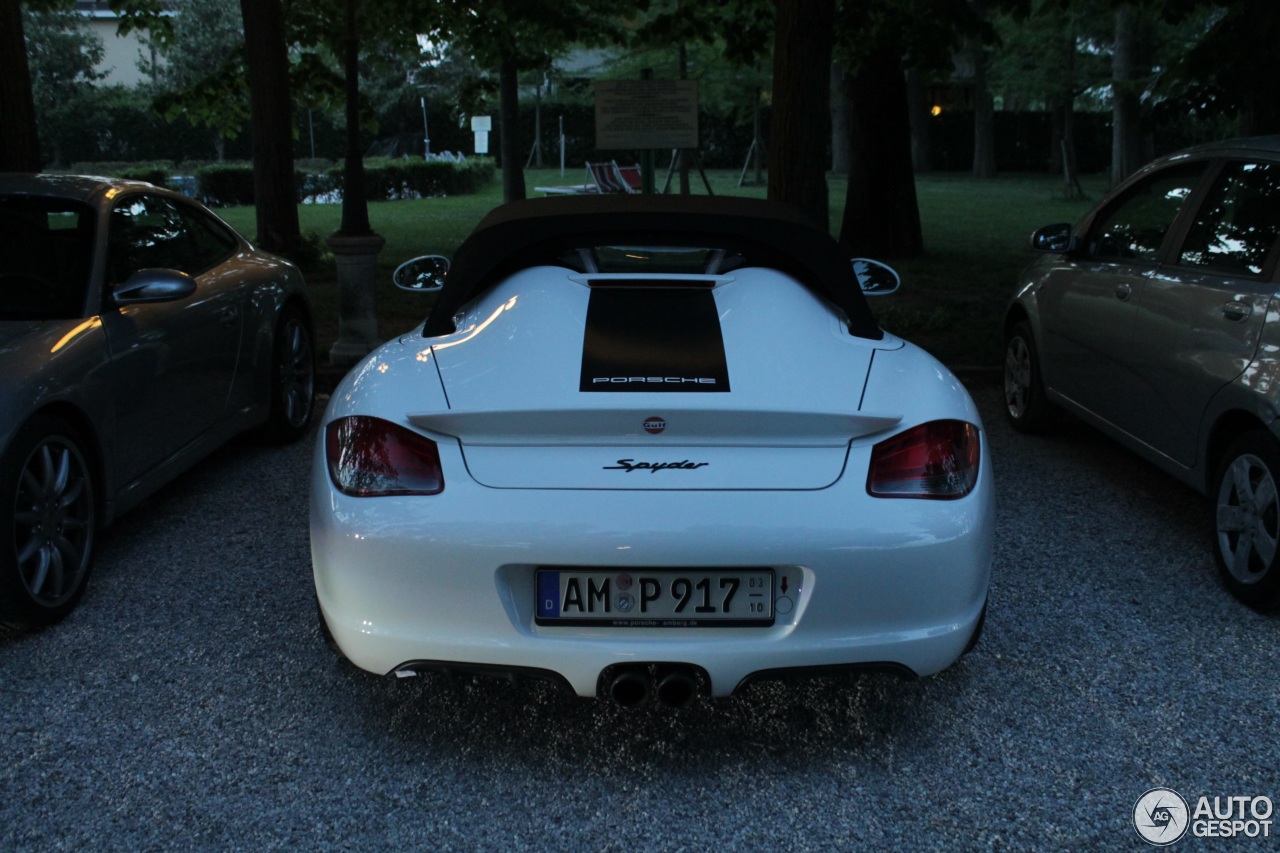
(386, 179)
(228, 184)
(157, 172)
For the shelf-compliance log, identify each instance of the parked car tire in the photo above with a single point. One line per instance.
(1025, 406)
(47, 523)
(1247, 520)
(293, 379)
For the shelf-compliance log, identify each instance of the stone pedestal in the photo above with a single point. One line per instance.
(357, 262)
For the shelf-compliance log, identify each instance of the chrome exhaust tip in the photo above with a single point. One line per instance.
(630, 688)
(677, 689)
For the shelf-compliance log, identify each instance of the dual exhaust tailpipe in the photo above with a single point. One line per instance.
(633, 686)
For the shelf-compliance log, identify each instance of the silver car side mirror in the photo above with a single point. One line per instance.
(422, 275)
(875, 278)
(1053, 238)
(153, 285)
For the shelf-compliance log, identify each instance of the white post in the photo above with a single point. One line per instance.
(426, 135)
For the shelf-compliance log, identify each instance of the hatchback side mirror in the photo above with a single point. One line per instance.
(422, 275)
(1054, 238)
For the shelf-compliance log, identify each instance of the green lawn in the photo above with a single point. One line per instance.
(975, 235)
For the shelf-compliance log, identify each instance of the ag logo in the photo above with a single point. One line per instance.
(654, 424)
(1161, 816)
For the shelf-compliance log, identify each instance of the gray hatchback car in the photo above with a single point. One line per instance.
(1156, 319)
(138, 332)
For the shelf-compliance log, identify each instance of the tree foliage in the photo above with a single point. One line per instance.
(508, 37)
(63, 56)
(1232, 70)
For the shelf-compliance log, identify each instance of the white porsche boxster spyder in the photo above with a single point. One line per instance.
(650, 447)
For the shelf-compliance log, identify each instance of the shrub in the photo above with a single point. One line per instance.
(397, 179)
(156, 172)
(226, 184)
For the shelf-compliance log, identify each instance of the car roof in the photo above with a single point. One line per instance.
(74, 187)
(1249, 144)
(531, 232)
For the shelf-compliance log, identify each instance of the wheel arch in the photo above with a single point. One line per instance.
(95, 454)
(1226, 428)
(1017, 313)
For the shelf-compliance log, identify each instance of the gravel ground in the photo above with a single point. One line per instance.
(191, 704)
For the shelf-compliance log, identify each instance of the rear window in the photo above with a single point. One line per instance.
(677, 260)
(1235, 229)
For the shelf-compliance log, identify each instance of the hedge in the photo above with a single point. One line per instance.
(155, 172)
(386, 178)
(226, 184)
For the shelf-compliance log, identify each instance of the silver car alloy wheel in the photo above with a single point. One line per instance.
(1017, 376)
(297, 375)
(1248, 518)
(53, 521)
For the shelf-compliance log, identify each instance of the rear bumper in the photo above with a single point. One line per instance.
(448, 581)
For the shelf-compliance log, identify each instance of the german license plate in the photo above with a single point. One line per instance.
(647, 598)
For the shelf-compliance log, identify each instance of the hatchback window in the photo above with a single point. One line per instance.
(1236, 227)
(1135, 228)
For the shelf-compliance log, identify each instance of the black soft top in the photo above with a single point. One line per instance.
(540, 231)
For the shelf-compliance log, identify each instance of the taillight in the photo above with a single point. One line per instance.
(369, 457)
(937, 460)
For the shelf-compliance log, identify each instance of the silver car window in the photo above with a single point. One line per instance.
(1133, 229)
(1237, 225)
(149, 232)
(46, 248)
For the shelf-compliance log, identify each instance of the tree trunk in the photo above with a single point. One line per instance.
(271, 111)
(881, 214)
(509, 130)
(984, 118)
(757, 137)
(839, 122)
(918, 114)
(798, 129)
(1126, 141)
(683, 157)
(19, 140)
(355, 206)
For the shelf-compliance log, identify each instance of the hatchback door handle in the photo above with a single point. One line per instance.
(1236, 311)
(1123, 292)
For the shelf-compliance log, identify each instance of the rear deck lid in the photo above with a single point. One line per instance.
(718, 382)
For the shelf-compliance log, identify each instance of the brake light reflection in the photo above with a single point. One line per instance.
(936, 460)
(369, 457)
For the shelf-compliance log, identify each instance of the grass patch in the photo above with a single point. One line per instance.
(951, 301)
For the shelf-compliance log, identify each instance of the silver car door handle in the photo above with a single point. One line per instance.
(1236, 310)
(1123, 292)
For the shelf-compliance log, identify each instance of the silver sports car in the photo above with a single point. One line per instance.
(138, 332)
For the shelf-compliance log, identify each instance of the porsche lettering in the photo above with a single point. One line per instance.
(630, 465)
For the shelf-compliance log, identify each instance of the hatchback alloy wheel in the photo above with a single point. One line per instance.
(1025, 405)
(1247, 520)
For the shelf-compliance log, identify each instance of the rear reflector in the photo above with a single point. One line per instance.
(936, 460)
(369, 457)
